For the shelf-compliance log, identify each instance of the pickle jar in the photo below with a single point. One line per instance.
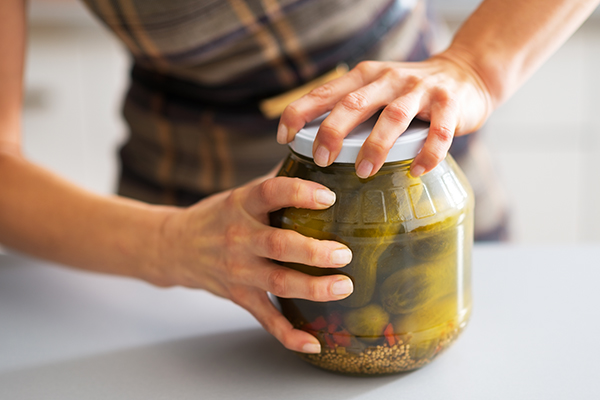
(411, 240)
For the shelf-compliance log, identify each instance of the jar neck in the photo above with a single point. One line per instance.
(396, 165)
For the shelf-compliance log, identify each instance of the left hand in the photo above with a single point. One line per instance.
(444, 89)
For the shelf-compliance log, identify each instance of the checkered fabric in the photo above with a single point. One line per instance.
(202, 66)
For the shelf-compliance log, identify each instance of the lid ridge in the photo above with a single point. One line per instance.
(406, 147)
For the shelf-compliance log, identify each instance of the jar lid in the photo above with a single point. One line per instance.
(406, 147)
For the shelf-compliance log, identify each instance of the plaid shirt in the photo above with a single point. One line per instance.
(202, 66)
(290, 41)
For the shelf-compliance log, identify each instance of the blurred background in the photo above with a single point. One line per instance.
(545, 141)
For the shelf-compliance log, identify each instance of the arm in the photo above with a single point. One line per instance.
(499, 46)
(44, 215)
(220, 244)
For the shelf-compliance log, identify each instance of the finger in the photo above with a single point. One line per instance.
(444, 117)
(289, 283)
(323, 99)
(351, 110)
(392, 122)
(280, 192)
(290, 246)
(259, 305)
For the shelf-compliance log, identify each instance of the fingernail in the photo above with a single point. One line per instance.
(341, 287)
(341, 257)
(322, 156)
(364, 169)
(325, 197)
(282, 134)
(417, 170)
(311, 348)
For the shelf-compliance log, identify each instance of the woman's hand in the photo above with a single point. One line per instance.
(445, 90)
(224, 243)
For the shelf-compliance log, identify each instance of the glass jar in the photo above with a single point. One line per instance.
(411, 240)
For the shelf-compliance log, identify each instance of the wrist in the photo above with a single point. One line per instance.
(485, 71)
(159, 246)
(479, 79)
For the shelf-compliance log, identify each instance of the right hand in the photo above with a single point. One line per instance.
(224, 244)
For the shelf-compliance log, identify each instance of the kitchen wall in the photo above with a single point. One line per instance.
(545, 141)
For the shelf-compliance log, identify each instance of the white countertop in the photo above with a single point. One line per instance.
(67, 334)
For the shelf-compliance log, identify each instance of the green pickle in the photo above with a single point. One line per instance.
(367, 323)
(411, 240)
(415, 287)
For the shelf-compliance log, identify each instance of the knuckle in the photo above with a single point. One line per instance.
(233, 236)
(313, 252)
(354, 102)
(276, 244)
(366, 67)
(397, 113)
(313, 290)
(402, 79)
(451, 103)
(395, 75)
(331, 131)
(277, 282)
(378, 146)
(412, 80)
(443, 133)
(233, 271)
(321, 94)
(442, 94)
(291, 112)
(235, 197)
(297, 191)
(446, 98)
(266, 190)
(433, 157)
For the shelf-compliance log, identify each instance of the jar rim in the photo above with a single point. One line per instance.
(406, 147)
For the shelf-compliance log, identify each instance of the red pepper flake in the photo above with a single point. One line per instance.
(332, 328)
(342, 338)
(318, 324)
(388, 332)
(329, 341)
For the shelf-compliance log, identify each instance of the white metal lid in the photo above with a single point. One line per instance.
(407, 146)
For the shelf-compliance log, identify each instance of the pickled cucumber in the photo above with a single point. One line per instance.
(349, 222)
(395, 257)
(433, 316)
(415, 287)
(367, 323)
(433, 241)
(411, 240)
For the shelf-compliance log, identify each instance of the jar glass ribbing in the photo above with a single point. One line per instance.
(411, 240)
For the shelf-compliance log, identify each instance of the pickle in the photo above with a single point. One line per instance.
(367, 240)
(410, 239)
(433, 316)
(367, 323)
(435, 240)
(415, 287)
(395, 257)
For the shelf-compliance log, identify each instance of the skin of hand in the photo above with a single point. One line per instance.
(499, 46)
(442, 90)
(224, 244)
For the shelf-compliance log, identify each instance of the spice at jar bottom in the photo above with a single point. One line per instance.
(384, 358)
(411, 241)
